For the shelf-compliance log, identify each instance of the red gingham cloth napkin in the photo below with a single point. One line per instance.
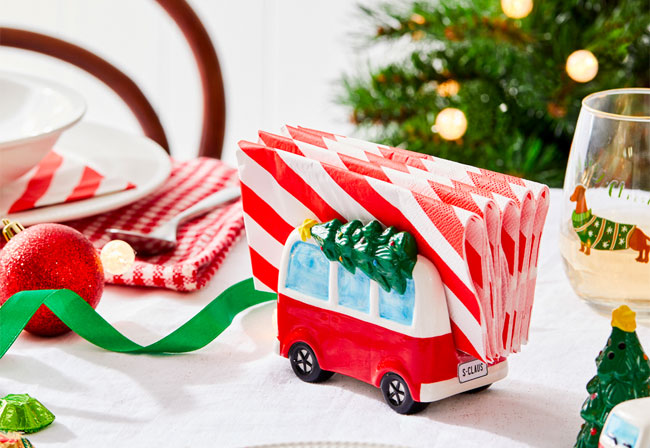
(202, 243)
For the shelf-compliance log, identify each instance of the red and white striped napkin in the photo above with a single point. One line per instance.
(57, 179)
(203, 242)
(481, 229)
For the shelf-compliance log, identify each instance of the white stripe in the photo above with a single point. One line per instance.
(64, 181)
(11, 192)
(313, 173)
(410, 182)
(316, 153)
(262, 242)
(267, 188)
(350, 150)
(472, 329)
(370, 147)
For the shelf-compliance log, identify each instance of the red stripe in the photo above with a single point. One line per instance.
(87, 186)
(382, 161)
(522, 250)
(474, 263)
(389, 215)
(39, 183)
(503, 177)
(363, 168)
(462, 186)
(459, 198)
(442, 215)
(462, 343)
(264, 271)
(268, 159)
(504, 333)
(279, 142)
(264, 215)
(321, 133)
(508, 245)
(406, 159)
(305, 136)
(493, 185)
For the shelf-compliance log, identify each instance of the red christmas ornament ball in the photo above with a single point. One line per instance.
(50, 256)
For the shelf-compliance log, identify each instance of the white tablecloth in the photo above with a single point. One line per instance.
(236, 393)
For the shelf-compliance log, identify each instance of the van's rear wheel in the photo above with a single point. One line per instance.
(305, 365)
(397, 395)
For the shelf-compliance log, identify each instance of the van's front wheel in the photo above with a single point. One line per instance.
(305, 365)
(397, 395)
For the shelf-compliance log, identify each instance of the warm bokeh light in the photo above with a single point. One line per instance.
(582, 66)
(451, 123)
(117, 257)
(516, 9)
(448, 88)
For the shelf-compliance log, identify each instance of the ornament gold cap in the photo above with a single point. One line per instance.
(624, 318)
(10, 229)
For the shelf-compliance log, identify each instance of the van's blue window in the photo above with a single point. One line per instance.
(354, 290)
(623, 432)
(308, 271)
(397, 307)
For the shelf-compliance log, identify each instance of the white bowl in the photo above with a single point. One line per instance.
(33, 114)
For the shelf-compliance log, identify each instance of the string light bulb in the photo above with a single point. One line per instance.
(516, 9)
(582, 66)
(450, 123)
(448, 88)
(117, 257)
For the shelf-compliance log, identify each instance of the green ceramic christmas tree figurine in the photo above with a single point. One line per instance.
(623, 374)
(385, 255)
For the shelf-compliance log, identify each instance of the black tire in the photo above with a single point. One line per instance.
(478, 389)
(305, 365)
(397, 395)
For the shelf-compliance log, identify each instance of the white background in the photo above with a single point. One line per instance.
(281, 61)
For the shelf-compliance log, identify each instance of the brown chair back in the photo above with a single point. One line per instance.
(214, 103)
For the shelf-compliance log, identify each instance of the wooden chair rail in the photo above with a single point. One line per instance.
(214, 105)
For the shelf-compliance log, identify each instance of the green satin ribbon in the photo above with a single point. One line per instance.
(81, 318)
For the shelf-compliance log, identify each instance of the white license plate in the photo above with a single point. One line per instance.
(472, 370)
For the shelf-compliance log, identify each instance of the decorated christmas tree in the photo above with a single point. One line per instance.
(623, 374)
(495, 84)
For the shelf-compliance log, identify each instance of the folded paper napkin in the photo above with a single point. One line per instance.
(481, 229)
(202, 242)
(57, 179)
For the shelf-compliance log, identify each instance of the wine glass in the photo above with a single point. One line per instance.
(605, 227)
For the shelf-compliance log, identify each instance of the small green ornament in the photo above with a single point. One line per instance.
(20, 412)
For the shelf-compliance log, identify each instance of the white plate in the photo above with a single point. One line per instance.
(33, 113)
(135, 158)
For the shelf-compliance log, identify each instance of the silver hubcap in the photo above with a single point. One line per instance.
(396, 392)
(304, 361)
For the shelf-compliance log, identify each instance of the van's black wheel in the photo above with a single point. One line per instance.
(397, 395)
(305, 365)
(478, 389)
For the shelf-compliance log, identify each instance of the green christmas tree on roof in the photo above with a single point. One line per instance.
(623, 374)
(384, 255)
